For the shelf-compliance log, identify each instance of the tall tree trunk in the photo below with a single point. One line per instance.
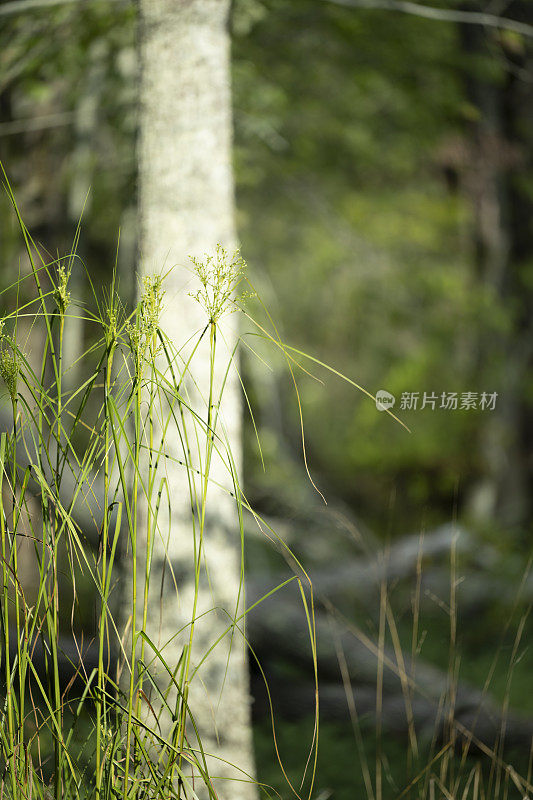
(501, 143)
(186, 207)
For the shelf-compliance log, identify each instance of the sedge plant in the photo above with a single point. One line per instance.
(102, 712)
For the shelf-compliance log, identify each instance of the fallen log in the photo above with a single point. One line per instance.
(411, 689)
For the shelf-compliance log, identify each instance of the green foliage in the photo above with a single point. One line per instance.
(346, 136)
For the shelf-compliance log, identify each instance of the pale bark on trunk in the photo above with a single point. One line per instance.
(186, 208)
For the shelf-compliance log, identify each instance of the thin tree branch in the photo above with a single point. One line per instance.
(36, 123)
(20, 6)
(442, 14)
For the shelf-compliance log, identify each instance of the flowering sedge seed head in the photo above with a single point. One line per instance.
(134, 338)
(61, 295)
(9, 366)
(219, 276)
(113, 319)
(111, 326)
(151, 302)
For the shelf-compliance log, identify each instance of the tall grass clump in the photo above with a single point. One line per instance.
(458, 739)
(91, 706)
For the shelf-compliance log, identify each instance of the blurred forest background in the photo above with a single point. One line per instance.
(384, 186)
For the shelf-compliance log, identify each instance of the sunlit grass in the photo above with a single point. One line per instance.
(110, 717)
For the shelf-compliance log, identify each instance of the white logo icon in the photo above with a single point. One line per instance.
(384, 400)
